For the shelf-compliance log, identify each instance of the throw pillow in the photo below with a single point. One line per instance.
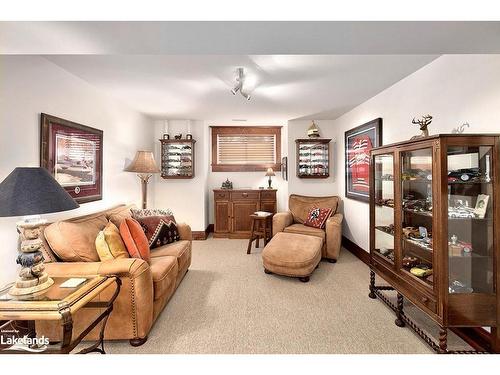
(109, 244)
(145, 212)
(317, 217)
(135, 239)
(159, 230)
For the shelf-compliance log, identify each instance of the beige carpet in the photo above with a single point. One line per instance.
(227, 304)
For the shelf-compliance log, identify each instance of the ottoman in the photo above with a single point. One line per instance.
(290, 254)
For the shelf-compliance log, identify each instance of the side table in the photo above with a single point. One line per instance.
(59, 303)
(261, 227)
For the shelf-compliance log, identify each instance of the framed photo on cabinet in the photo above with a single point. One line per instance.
(72, 153)
(358, 144)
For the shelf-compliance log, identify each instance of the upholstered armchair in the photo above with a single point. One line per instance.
(293, 222)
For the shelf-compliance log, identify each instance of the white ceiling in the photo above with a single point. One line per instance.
(283, 87)
(252, 37)
(295, 70)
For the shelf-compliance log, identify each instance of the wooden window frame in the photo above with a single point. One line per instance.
(250, 130)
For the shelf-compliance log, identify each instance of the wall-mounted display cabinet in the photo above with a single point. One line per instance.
(434, 230)
(313, 158)
(177, 158)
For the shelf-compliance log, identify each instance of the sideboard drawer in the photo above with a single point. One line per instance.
(268, 195)
(244, 195)
(221, 195)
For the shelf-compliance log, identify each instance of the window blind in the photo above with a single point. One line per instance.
(246, 149)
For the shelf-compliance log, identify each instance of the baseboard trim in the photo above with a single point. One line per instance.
(476, 337)
(200, 235)
(356, 250)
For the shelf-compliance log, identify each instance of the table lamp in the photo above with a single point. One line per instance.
(30, 192)
(269, 173)
(144, 165)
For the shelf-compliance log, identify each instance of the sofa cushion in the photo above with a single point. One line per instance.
(109, 244)
(159, 230)
(302, 229)
(164, 270)
(145, 212)
(317, 217)
(135, 239)
(300, 205)
(180, 249)
(119, 214)
(75, 241)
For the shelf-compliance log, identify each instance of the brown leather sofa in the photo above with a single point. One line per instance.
(145, 291)
(293, 222)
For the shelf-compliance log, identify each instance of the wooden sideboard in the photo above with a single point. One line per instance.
(233, 207)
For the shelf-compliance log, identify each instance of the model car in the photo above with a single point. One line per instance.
(465, 174)
(461, 212)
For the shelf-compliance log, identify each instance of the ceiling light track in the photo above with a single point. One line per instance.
(240, 79)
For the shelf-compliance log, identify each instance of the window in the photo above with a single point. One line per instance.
(246, 148)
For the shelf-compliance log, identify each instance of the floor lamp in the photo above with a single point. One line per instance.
(144, 165)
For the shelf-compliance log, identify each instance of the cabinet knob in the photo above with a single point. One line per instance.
(244, 194)
(425, 299)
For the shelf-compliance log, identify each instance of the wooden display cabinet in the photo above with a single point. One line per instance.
(177, 158)
(434, 231)
(313, 157)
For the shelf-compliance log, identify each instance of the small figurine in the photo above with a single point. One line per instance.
(227, 184)
(424, 122)
(178, 136)
(460, 129)
(313, 131)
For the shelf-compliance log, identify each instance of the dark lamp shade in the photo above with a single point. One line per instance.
(33, 191)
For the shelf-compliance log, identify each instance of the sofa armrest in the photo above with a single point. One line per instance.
(281, 220)
(334, 236)
(133, 310)
(185, 231)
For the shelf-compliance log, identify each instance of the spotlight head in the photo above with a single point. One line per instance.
(235, 89)
(246, 96)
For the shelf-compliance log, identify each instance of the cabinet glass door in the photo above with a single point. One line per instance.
(416, 194)
(470, 219)
(384, 206)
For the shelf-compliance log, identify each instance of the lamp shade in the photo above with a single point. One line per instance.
(33, 191)
(144, 162)
(270, 172)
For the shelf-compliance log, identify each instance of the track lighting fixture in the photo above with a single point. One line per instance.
(239, 84)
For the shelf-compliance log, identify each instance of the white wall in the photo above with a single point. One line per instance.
(186, 197)
(315, 186)
(453, 88)
(251, 180)
(30, 85)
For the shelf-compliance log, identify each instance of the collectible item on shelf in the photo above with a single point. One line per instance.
(481, 205)
(358, 144)
(227, 184)
(409, 261)
(389, 202)
(386, 228)
(421, 270)
(423, 123)
(416, 174)
(189, 136)
(461, 210)
(460, 129)
(166, 136)
(387, 177)
(459, 287)
(465, 174)
(178, 136)
(313, 131)
(411, 232)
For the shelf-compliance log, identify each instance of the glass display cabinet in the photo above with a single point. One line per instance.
(177, 158)
(434, 231)
(313, 158)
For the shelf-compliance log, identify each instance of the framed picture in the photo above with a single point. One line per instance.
(481, 205)
(358, 143)
(72, 153)
(284, 168)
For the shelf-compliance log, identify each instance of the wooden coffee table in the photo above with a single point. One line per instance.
(61, 304)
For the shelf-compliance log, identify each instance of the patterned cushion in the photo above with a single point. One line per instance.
(159, 230)
(317, 217)
(145, 212)
(135, 239)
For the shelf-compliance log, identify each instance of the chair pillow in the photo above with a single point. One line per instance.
(145, 212)
(159, 230)
(317, 217)
(75, 241)
(135, 239)
(109, 244)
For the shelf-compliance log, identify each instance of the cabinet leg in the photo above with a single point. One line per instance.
(399, 319)
(372, 285)
(443, 340)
